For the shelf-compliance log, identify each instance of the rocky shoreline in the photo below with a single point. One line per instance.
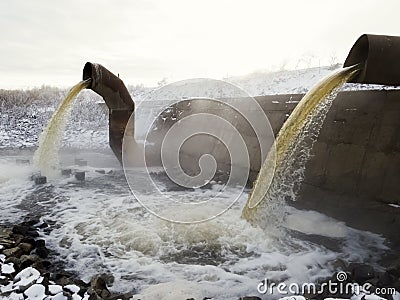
(29, 270)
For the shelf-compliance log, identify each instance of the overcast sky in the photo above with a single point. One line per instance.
(48, 42)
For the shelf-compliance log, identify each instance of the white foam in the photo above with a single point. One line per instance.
(101, 228)
(180, 289)
(306, 222)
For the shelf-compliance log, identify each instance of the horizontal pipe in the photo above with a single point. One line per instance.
(379, 57)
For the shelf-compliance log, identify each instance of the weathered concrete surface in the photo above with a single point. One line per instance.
(354, 170)
(354, 173)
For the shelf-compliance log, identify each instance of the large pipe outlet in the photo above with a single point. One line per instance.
(379, 57)
(117, 98)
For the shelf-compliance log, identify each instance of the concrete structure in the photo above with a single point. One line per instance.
(354, 172)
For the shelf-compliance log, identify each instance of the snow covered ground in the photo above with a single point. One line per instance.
(23, 114)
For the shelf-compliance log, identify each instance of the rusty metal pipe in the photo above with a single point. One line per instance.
(117, 98)
(379, 56)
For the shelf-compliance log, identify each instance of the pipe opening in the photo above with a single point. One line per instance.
(379, 58)
(359, 52)
(88, 73)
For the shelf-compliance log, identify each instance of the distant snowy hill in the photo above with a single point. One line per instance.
(254, 84)
(282, 82)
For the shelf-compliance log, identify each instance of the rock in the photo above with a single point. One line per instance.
(41, 265)
(98, 283)
(34, 175)
(4, 280)
(100, 171)
(16, 296)
(250, 298)
(98, 286)
(66, 172)
(40, 243)
(29, 240)
(25, 247)
(5, 239)
(7, 268)
(32, 233)
(35, 292)
(21, 229)
(59, 296)
(40, 179)
(92, 294)
(76, 297)
(14, 260)
(54, 289)
(9, 288)
(18, 238)
(64, 280)
(27, 260)
(395, 268)
(42, 252)
(80, 176)
(374, 283)
(386, 280)
(26, 277)
(67, 294)
(105, 294)
(361, 273)
(72, 288)
(13, 252)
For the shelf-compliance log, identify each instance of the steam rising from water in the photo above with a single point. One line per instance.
(46, 156)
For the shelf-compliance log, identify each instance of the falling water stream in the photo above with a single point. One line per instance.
(293, 145)
(46, 156)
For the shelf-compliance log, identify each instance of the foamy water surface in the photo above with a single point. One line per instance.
(99, 227)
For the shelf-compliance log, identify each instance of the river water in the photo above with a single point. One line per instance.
(99, 227)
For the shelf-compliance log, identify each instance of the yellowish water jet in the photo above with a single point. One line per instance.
(46, 156)
(289, 135)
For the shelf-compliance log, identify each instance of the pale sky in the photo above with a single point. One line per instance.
(48, 42)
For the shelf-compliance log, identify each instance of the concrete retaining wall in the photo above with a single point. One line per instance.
(354, 172)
